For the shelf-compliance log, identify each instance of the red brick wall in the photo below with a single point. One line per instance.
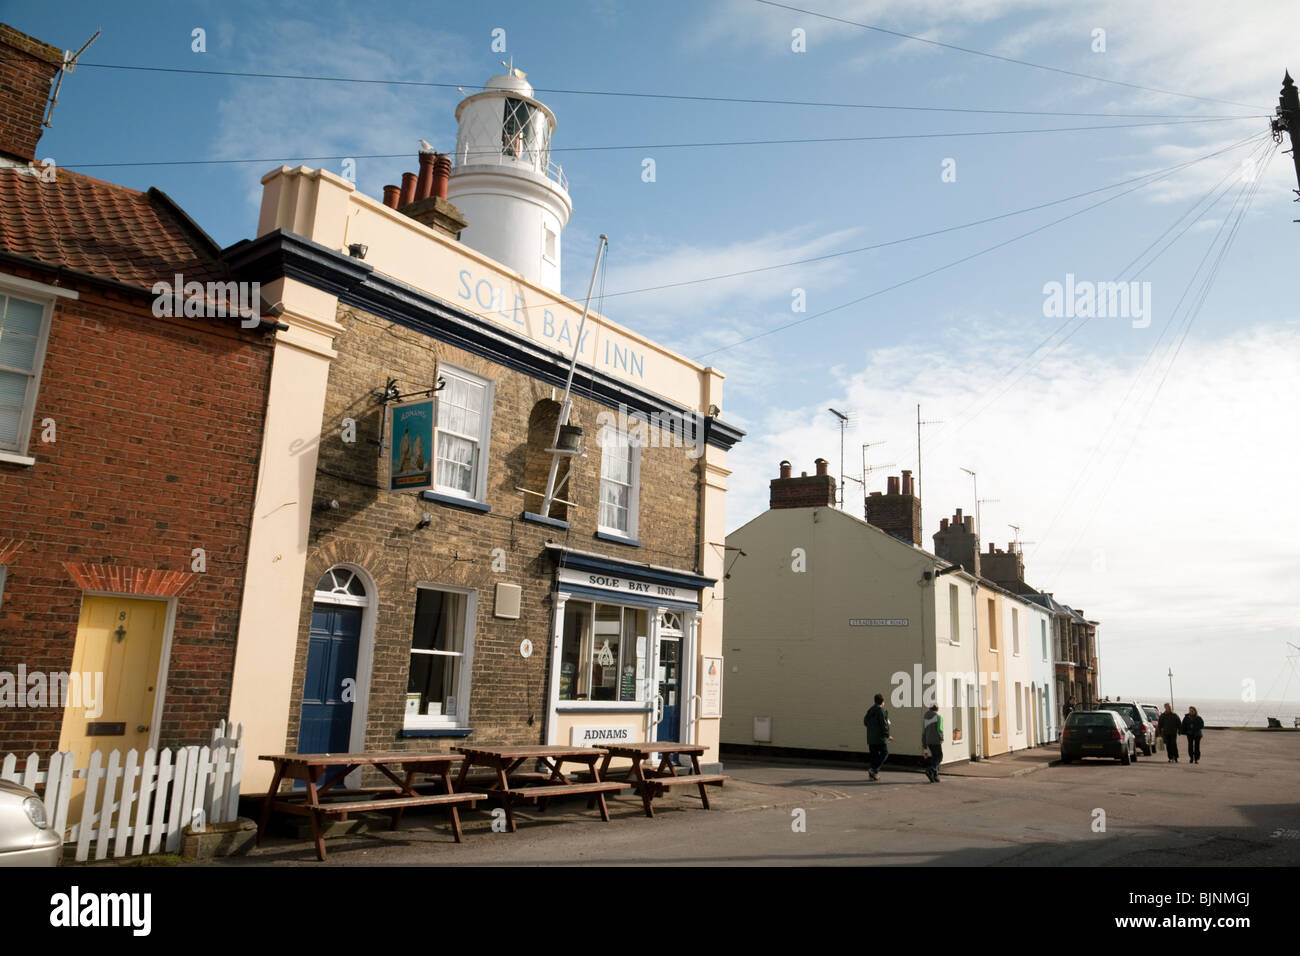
(26, 68)
(159, 425)
(810, 491)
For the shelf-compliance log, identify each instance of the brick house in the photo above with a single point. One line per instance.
(417, 391)
(128, 453)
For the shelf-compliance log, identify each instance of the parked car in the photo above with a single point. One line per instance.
(1152, 713)
(25, 835)
(1097, 733)
(1143, 729)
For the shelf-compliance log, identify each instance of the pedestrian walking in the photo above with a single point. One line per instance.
(1169, 726)
(876, 721)
(1193, 727)
(932, 738)
(1067, 710)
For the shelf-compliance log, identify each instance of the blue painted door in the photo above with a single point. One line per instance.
(670, 689)
(330, 686)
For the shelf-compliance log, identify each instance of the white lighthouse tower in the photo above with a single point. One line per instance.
(514, 198)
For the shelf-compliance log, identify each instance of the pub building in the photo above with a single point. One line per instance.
(407, 587)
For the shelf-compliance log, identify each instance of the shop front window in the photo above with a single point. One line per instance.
(604, 650)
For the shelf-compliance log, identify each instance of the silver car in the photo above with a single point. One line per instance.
(25, 835)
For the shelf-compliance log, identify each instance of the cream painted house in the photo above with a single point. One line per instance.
(825, 610)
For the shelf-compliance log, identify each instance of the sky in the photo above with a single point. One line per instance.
(1147, 459)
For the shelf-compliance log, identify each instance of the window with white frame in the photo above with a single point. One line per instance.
(438, 680)
(604, 652)
(24, 329)
(620, 466)
(464, 427)
(1015, 631)
(1043, 626)
(954, 614)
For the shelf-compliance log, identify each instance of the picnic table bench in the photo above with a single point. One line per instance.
(320, 799)
(656, 781)
(506, 760)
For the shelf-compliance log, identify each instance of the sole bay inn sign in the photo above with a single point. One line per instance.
(606, 581)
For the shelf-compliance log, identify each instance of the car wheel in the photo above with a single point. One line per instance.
(1065, 759)
(1126, 760)
(1135, 754)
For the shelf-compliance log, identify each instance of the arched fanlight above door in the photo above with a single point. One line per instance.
(342, 582)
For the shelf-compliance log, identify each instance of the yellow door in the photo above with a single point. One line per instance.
(119, 646)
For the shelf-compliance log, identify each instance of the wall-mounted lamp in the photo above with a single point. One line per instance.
(358, 250)
(331, 505)
(425, 521)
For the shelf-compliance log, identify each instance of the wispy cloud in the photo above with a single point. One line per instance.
(261, 117)
(1117, 496)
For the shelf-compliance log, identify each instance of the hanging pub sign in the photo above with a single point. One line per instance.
(412, 446)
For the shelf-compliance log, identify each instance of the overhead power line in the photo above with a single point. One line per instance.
(635, 94)
(646, 146)
(1004, 59)
(1007, 380)
(1240, 209)
(967, 258)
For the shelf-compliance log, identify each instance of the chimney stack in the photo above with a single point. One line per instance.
(898, 510)
(392, 196)
(955, 541)
(806, 491)
(27, 68)
(1005, 568)
(424, 198)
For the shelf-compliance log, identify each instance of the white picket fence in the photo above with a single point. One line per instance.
(159, 794)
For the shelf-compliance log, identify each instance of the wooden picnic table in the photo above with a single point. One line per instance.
(656, 781)
(311, 767)
(506, 760)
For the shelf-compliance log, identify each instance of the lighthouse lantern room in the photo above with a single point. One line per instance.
(515, 200)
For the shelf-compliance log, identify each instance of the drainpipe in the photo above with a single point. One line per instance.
(979, 685)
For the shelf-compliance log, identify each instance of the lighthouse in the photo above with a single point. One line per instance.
(514, 198)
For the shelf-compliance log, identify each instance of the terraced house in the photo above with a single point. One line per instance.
(407, 586)
(129, 441)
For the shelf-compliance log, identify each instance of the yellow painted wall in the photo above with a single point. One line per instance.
(993, 654)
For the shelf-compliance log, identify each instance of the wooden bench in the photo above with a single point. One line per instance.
(318, 800)
(650, 781)
(596, 790)
(341, 809)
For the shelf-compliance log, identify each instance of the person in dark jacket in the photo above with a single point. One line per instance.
(1193, 727)
(1168, 727)
(932, 738)
(1067, 710)
(878, 737)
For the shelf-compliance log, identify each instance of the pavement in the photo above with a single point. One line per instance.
(1239, 806)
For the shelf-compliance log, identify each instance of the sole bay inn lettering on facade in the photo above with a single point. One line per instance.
(612, 582)
(512, 308)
